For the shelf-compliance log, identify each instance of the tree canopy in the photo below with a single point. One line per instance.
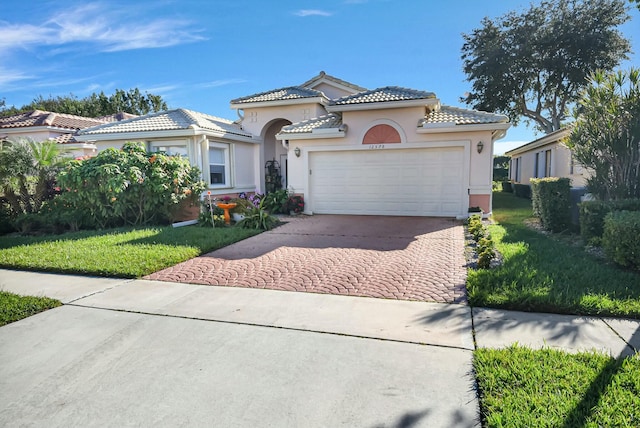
(606, 135)
(534, 64)
(95, 105)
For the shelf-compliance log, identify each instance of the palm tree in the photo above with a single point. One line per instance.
(27, 173)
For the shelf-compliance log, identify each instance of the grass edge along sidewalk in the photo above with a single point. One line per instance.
(520, 387)
(14, 307)
(121, 252)
(543, 273)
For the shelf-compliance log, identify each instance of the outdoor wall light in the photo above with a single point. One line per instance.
(297, 152)
(480, 146)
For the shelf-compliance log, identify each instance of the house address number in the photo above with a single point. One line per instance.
(376, 146)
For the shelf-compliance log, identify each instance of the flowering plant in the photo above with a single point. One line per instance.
(295, 204)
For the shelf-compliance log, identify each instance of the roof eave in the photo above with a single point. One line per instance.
(145, 135)
(276, 103)
(548, 139)
(437, 128)
(422, 102)
(326, 133)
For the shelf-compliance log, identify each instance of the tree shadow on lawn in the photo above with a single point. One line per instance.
(16, 241)
(542, 274)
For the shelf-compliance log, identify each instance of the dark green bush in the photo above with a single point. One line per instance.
(550, 199)
(507, 186)
(485, 247)
(620, 238)
(592, 214)
(522, 190)
(259, 219)
(276, 202)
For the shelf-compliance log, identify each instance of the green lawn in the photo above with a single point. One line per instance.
(544, 273)
(124, 252)
(14, 307)
(520, 387)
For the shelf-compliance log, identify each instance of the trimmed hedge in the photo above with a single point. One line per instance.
(593, 213)
(551, 202)
(522, 190)
(507, 186)
(620, 238)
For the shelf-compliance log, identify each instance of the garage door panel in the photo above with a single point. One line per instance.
(389, 182)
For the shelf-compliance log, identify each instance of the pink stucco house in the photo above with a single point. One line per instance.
(347, 149)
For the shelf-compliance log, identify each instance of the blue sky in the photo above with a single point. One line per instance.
(201, 54)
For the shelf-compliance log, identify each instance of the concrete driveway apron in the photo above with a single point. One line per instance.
(407, 258)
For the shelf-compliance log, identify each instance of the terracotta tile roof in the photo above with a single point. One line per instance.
(290, 93)
(327, 121)
(46, 118)
(386, 94)
(166, 121)
(461, 116)
(326, 76)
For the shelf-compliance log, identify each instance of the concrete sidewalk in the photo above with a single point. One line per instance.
(123, 352)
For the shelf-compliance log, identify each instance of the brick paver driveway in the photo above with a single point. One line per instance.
(408, 258)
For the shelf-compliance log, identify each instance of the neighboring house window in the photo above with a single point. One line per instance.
(518, 161)
(306, 113)
(172, 150)
(536, 166)
(253, 116)
(547, 163)
(219, 174)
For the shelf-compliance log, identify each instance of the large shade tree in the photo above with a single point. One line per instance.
(534, 64)
(606, 135)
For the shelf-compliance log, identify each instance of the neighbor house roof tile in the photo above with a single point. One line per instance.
(290, 93)
(386, 94)
(45, 118)
(166, 121)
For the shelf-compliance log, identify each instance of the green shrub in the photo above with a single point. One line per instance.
(207, 218)
(485, 248)
(507, 186)
(295, 204)
(276, 202)
(592, 214)
(257, 218)
(522, 190)
(129, 186)
(550, 199)
(5, 218)
(620, 238)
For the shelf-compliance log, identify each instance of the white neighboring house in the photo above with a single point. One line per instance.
(38, 125)
(220, 148)
(346, 149)
(546, 157)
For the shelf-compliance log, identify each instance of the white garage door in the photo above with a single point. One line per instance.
(416, 182)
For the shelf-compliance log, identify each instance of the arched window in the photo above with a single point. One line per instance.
(381, 134)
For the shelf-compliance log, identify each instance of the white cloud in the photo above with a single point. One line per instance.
(222, 82)
(7, 77)
(312, 12)
(95, 24)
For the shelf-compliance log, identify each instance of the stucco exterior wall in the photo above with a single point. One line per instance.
(256, 120)
(560, 165)
(331, 91)
(479, 165)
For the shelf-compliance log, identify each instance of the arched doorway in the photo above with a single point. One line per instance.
(273, 149)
